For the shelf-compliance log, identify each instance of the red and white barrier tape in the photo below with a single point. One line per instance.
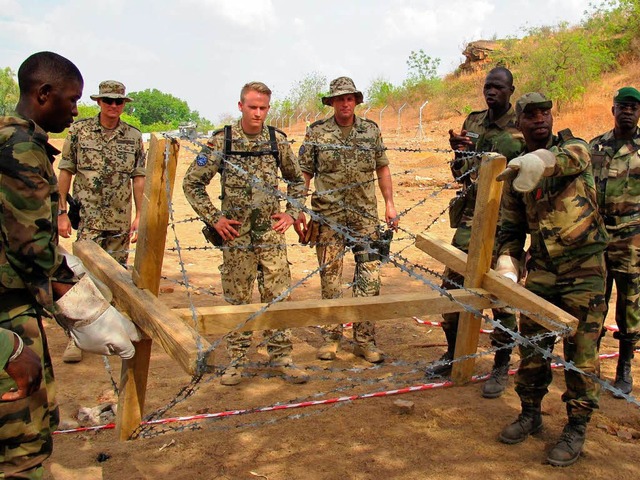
(329, 401)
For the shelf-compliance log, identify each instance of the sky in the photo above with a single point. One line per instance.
(203, 51)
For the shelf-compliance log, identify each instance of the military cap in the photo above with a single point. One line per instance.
(627, 94)
(532, 100)
(111, 89)
(342, 86)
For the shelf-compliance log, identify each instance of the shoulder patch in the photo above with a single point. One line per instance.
(201, 160)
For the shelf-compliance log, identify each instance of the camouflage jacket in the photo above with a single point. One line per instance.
(561, 213)
(344, 168)
(249, 184)
(29, 258)
(500, 136)
(616, 169)
(103, 171)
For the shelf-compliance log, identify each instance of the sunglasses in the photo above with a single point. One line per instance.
(111, 101)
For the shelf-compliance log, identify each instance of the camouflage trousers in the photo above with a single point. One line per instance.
(244, 261)
(26, 425)
(461, 240)
(366, 283)
(623, 269)
(579, 292)
(115, 243)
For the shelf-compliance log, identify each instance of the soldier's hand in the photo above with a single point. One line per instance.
(391, 217)
(225, 227)
(64, 225)
(26, 371)
(300, 226)
(133, 231)
(283, 222)
(460, 142)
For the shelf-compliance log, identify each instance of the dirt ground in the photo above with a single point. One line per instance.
(451, 432)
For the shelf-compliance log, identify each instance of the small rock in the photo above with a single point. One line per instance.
(403, 407)
(625, 434)
(68, 424)
(167, 289)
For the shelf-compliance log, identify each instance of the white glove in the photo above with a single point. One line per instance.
(507, 266)
(94, 324)
(529, 169)
(78, 268)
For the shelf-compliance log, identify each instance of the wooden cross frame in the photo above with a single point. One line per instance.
(136, 294)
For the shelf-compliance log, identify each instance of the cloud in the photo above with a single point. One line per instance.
(257, 14)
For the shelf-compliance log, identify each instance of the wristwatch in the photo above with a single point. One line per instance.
(60, 212)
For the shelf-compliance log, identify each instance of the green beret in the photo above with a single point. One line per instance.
(627, 94)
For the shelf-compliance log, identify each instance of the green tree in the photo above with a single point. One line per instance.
(381, 92)
(562, 61)
(306, 95)
(9, 92)
(616, 24)
(155, 107)
(422, 67)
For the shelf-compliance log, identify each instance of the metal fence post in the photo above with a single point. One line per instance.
(380, 122)
(400, 115)
(420, 133)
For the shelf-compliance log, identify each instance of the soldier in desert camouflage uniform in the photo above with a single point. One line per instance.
(106, 155)
(249, 156)
(490, 130)
(34, 275)
(553, 198)
(342, 153)
(616, 167)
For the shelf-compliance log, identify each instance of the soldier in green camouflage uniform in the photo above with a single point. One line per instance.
(106, 155)
(33, 271)
(616, 167)
(553, 198)
(490, 130)
(250, 221)
(29, 261)
(343, 153)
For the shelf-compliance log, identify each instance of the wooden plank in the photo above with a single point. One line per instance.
(218, 320)
(545, 313)
(153, 317)
(483, 232)
(154, 218)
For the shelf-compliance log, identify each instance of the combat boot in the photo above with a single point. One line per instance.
(528, 423)
(232, 376)
(497, 382)
(569, 447)
(369, 352)
(72, 354)
(443, 366)
(624, 380)
(285, 367)
(328, 350)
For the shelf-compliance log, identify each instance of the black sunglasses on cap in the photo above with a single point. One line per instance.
(111, 101)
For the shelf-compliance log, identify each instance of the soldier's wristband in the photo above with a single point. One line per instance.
(18, 351)
(62, 212)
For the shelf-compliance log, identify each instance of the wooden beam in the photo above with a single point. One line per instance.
(153, 317)
(545, 313)
(154, 217)
(483, 232)
(219, 320)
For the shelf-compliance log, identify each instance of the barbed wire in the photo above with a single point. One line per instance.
(398, 261)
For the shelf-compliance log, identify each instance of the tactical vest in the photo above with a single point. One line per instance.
(273, 150)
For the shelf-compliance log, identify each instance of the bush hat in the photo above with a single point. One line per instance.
(111, 89)
(342, 86)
